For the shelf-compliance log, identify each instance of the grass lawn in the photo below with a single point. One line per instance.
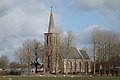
(58, 78)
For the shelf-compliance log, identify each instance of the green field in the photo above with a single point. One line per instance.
(58, 78)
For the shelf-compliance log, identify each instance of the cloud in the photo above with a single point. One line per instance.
(101, 28)
(87, 5)
(84, 38)
(104, 6)
(55, 1)
(20, 19)
(108, 9)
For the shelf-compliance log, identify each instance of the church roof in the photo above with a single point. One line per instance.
(84, 54)
(71, 53)
(51, 28)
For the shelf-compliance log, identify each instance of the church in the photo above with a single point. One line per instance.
(55, 61)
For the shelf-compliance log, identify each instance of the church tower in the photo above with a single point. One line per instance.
(51, 56)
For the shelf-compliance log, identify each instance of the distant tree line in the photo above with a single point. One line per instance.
(105, 46)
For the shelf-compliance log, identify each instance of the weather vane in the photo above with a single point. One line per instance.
(51, 5)
(51, 8)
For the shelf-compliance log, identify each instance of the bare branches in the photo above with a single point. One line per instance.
(105, 47)
(27, 52)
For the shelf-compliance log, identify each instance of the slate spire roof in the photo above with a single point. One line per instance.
(51, 28)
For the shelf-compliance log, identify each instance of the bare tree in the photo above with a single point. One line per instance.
(93, 40)
(105, 46)
(26, 54)
(67, 42)
(4, 60)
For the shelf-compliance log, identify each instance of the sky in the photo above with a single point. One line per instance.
(21, 19)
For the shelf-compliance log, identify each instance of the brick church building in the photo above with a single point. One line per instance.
(55, 61)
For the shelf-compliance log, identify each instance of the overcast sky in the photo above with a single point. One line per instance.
(21, 19)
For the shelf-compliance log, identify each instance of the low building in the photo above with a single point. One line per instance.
(77, 61)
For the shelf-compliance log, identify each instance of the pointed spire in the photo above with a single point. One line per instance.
(51, 23)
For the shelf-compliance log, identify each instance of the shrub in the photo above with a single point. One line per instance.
(2, 73)
(14, 72)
